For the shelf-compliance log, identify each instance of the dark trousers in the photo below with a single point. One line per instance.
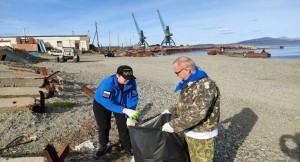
(103, 119)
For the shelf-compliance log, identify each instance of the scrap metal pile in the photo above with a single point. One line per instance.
(26, 89)
(139, 53)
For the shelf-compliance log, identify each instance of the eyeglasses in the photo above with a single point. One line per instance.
(178, 72)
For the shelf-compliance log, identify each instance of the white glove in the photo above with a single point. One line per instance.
(166, 112)
(131, 113)
(130, 122)
(167, 128)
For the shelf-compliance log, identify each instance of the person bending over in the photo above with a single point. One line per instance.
(116, 94)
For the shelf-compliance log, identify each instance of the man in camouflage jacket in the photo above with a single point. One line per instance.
(198, 109)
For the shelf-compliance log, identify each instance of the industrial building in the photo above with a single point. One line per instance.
(45, 43)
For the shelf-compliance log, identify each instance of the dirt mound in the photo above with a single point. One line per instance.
(15, 55)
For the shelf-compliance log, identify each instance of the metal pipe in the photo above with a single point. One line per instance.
(88, 91)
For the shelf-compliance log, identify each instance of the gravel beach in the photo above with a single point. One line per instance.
(260, 106)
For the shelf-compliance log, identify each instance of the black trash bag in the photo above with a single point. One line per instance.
(150, 144)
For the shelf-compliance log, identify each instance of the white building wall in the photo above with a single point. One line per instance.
(67, 41)
(5, 43)
(8, 41)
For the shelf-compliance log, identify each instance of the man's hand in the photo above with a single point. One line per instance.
(167, 128)
(130, 122)
(131, 113)
(166, 112)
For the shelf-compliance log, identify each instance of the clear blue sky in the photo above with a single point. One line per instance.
(190, 21)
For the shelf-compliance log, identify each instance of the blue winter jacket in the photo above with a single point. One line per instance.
(113, 98)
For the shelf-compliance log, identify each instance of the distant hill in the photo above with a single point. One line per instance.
(269, 40)
(201, 45)
(261, 41)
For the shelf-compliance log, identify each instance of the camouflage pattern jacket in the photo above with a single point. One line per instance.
(194, 107)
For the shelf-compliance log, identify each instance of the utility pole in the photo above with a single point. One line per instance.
(109, 40)
(118, 41)
(25, 34)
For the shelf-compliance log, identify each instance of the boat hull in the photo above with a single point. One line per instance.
(248, 54)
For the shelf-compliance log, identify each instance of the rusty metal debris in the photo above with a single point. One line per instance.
(88, 91)
(247, 54)
(42, 71)
(23, 139)
(140, 53)
(18, 83)
(51, 76)
(41, 107)
(50, 82)
(53, 156)
(22, 70)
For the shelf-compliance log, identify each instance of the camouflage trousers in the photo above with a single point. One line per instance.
(201, 150)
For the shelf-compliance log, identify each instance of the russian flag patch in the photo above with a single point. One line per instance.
(106, 94)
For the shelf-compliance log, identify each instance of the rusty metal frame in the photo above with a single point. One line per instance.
(53, 156)
(19, 141)
(49, 86)
(88, 91)
(40, 108)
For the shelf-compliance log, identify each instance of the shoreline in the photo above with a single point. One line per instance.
(259, 103)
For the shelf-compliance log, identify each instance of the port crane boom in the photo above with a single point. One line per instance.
(168, 41)
(142, 41)
(96, 36)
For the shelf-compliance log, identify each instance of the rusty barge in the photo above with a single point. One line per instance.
(248, 54)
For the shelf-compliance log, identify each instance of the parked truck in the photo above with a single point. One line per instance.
(69, 53)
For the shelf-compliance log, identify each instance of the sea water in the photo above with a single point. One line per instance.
(290, 51)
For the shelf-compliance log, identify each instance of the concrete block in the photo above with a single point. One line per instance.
(10, 78)
(7, 92)
(17, 103)
(22, 159)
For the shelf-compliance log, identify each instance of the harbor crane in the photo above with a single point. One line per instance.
(168, 41)
(142, 41)
(96, 36)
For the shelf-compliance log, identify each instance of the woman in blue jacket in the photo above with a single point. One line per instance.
(116, 94)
